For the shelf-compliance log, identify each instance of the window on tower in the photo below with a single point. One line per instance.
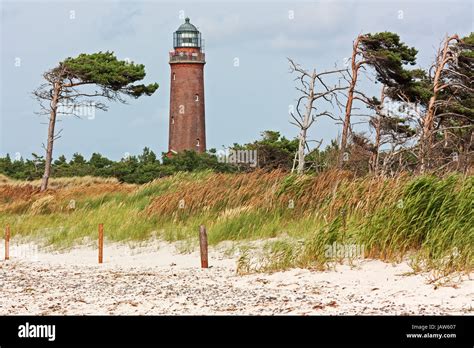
(196, 97)
(174, 76)
(172, 119)
(198, 143)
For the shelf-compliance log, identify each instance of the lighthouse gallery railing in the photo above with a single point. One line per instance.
(184, 57)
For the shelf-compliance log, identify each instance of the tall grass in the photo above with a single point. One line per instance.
(429, 218)
(434, 216)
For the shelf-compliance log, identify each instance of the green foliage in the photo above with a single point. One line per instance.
(273, 150)
(189, 161)
(105, 70)
(418, 89)
(387, 55)
(461, 73)
(22, 169)
(139, 169)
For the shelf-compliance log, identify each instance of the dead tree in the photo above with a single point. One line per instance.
(355, 66)
(313, 88)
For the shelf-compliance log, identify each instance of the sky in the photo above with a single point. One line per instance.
(242, 100)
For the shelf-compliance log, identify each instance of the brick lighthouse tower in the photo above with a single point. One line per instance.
(187, 122)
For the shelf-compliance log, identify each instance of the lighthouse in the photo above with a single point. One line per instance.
(187, 119)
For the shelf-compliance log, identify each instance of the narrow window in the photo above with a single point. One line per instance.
(172, 119)
(196, 97)
(198, 143)
(174, 76)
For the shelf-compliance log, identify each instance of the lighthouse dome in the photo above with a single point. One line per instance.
(186, 26)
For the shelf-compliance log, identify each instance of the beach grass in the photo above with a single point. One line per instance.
(429, 218)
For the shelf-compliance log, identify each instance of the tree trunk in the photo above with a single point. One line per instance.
(426, 143)
(49, 146)
(378, 133)
(307, 120)
(301, 146)
(350, 99)
(294, 162)
(426, 138)
(375, 160)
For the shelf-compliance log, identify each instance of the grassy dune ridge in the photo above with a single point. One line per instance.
(427, 217)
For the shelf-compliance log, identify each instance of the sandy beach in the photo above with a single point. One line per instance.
(156, 279)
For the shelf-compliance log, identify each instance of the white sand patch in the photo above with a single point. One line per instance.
(153, 253)
(157, 279)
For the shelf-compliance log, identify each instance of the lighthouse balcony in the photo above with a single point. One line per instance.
(187, 57)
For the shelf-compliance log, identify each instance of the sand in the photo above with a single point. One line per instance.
(158, 280)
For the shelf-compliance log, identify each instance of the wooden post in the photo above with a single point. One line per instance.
(101, 243)
(7, 242)
(203, 245)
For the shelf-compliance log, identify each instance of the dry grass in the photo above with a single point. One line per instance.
(22, 197)
(335, 191)
(4, 179)
(58, 183)
(219, 192)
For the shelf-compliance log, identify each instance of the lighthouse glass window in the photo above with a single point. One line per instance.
(187, 40)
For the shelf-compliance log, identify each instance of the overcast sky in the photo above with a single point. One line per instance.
(241, 101)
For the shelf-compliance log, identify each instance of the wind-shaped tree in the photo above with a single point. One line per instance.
(71, 87)
(387, 55)
(444, 96)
